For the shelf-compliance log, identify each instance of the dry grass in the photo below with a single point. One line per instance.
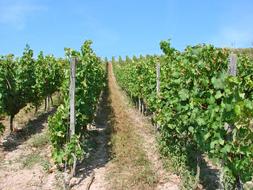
(31, 159)
(40, 140)
(131, 168)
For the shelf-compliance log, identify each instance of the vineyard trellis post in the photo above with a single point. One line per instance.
(72, 88)
(72, 95)
(158, 75)
(139, 103)
(158, 78)
(142, 107)
(232, 67)
(232, 71)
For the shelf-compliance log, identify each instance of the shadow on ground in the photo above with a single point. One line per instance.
(13, 140)
(99, 135)
(209, 174)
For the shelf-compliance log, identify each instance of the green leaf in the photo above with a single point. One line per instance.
(221, 141)
(183, 94)
(207, 135)
(217, 83)
(226, 148)
(212, 144)
(60, 134)
(200, 121)
(211, 100)
(218, 95)
(248, 104)
(237, 110)
(191, 129)
(242, 95)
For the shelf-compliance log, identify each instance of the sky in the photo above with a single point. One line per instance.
(126, 27)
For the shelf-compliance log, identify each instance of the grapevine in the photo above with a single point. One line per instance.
(200, 106)
(27, 80)
(90, 78)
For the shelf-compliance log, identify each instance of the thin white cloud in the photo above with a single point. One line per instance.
(15, 14)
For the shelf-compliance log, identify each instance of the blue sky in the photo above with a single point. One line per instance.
(126, 27)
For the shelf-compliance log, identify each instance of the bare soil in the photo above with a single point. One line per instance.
(23, 165)
(125, 154)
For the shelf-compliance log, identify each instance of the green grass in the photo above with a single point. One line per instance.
(40, 140)
(46, 165)
(130, 161)
(31, 159)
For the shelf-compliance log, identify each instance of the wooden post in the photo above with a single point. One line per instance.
(45, 104)
(142, 107)
(232, 67)
(51, 99)
(158, 75)
(195, 186)
(72, 95)
(139, 104)
(158, 78)
(48, 103)
(232, 70)
(11, 122)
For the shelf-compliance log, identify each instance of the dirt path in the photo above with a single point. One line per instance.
(141, 128)
(124, 154)
(133, 160)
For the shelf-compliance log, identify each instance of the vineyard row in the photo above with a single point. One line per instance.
(199, 107)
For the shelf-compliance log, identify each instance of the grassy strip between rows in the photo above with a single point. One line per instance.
(131, 168)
